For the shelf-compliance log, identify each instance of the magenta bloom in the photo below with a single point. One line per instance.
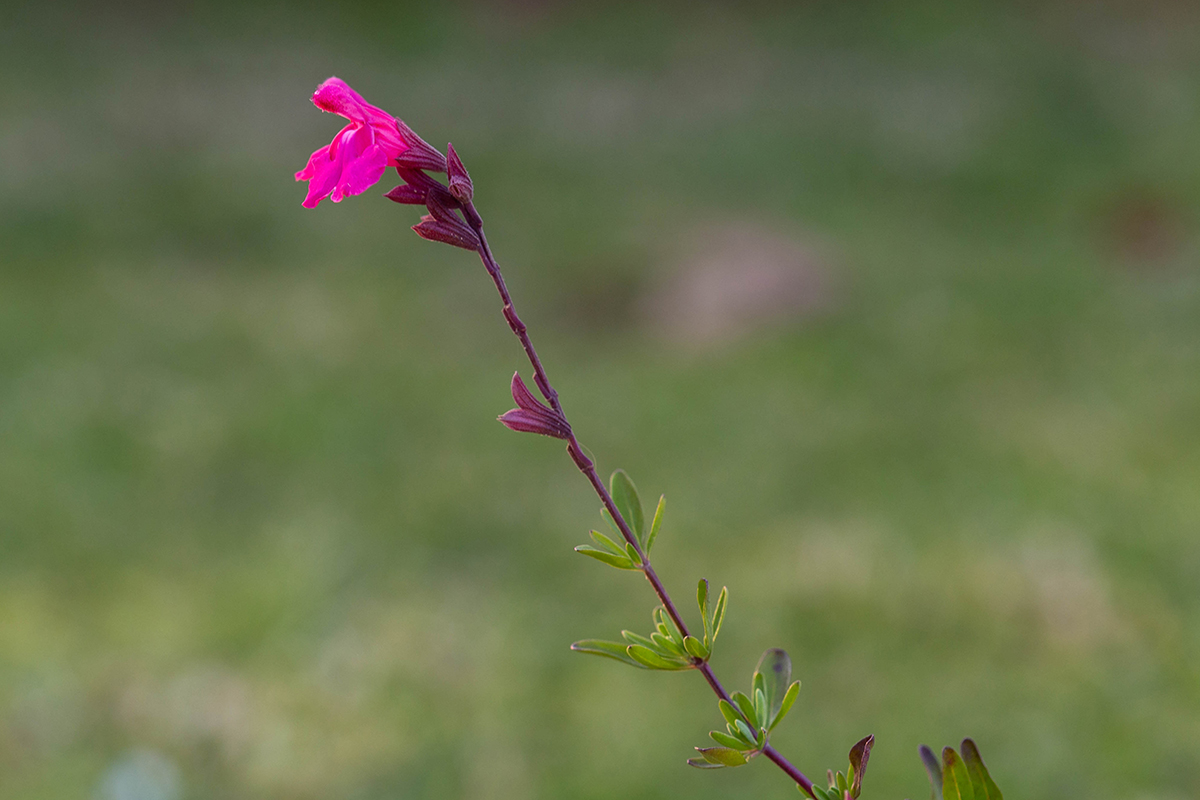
(356, 158)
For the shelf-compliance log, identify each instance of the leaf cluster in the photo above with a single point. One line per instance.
(749, 720)
(629, 506)
(847, 785)
(957, 777)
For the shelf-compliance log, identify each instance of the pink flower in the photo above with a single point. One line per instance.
(360, 152)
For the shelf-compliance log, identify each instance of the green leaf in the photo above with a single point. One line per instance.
(842, 785)
(654, 525)
(985, 788)
(695, 648)
(746, 732)
(607, 543)
(747, 708)
(632, 552)
(634, 638)
(725, 756)
(612, 559)
(612, 524)
(789, 698)
(719, 613)
(726, 740)
(956, 783)
(667, 627)
(934, 767)
(647, 657)
(775, 667)
(667, 645)
(613, 650)
(728, 711)
(626, 498)
(700, 763)
(760, 705)
(702, 601)
(859, 755)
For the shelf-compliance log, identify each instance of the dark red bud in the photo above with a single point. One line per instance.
(409, 195)
(429, 228)
(460, 182)
(524, 421)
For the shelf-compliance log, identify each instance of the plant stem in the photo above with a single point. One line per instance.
(588, 468)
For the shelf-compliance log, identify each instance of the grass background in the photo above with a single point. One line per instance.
(261, 537)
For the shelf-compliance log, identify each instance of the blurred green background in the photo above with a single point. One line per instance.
(898, 304)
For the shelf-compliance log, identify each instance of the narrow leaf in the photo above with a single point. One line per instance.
(700, 763)
(725, 756)
(934, 767)
(667, 645)
(985, 788)
(760, 705)
(702, 601)
(695, 647)
(634, 638)
(789, 698)
(746, 707)
(612, 559)
(776, 669)
(746, 733)
(728, 711)
(859, 754)
(626, 497)
(654, 525)
(612, 524)
(607, 543)
(632, 552)
(725, 740)
(956, 783)
(649, 658)
(719, 612)
(612, 650)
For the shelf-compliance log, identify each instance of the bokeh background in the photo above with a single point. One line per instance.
(898, 303)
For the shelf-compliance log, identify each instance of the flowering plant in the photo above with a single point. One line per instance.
(355, 160)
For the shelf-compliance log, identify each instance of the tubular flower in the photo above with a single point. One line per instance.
(360, 152)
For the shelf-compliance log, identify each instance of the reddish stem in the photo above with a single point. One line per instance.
(588, 468)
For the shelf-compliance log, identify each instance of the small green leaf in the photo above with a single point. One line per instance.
(725, 756)
(956, 783)
(632, 552)
(719, 613)
(612, 650)
(626, 498)
(775, 667)
(666, 626)
(789, 698)
(859, 755)
(607, 543)
(725, 740)
(667, 646)
(985, 788)
(934, 767)
(695, 648)
(842, 785)
(702, 601)
(634, 638)
(747, 708)
(760, 704)
(647, 657)
(700, 763)
(748, 742)
(612, 559)
(728, 711)
(654, 525)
